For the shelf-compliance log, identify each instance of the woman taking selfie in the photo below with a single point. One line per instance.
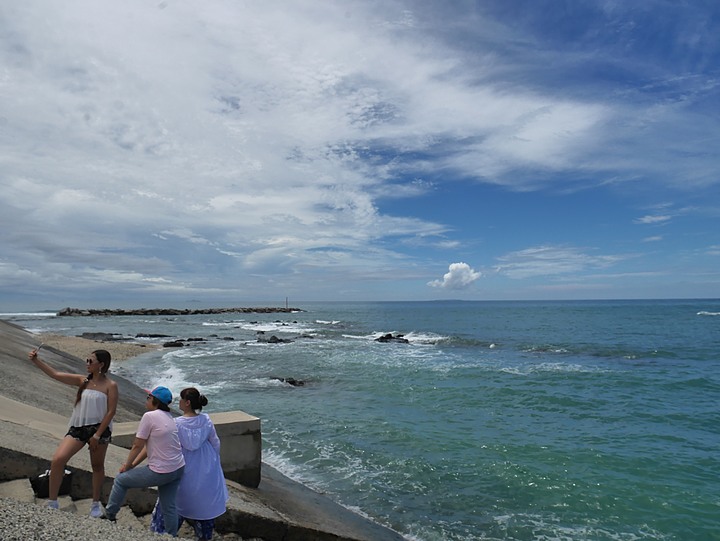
(90, 423)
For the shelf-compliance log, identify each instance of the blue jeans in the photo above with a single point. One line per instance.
(143, 477)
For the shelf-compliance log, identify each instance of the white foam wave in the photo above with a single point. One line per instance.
(324, 322)
(549, 528)
(27, 314)
(223, 323)
(412, 337)
(35, 330)
(357, 337)
(425, 338)
(174, 378)
(545, 349)
(185, 353)
(705, 313)
(548, 367)
(274, 326)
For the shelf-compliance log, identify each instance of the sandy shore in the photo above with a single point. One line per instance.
(81, 347)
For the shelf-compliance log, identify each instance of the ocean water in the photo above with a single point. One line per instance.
(496, 421)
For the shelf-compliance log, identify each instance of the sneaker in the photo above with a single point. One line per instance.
(96, 510)
(105, 516)
(53, 504)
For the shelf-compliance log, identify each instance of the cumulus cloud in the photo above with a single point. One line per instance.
(459, 276)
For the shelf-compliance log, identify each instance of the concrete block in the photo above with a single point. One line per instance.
(19, 489)
(123, 434)
(240, 446)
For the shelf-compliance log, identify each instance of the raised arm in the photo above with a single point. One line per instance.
(63, 377)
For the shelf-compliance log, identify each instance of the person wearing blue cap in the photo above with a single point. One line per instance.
(157, 440)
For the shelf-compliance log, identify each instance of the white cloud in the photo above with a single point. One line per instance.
(551, 261)
(180, 143)
(653, 219)
(459, 276)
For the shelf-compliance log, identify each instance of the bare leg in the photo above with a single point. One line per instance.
(68, 447)
(97, 459)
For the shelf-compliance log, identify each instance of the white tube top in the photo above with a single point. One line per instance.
(90, 410)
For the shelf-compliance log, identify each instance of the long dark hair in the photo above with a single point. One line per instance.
(103, 356)
(197, 400)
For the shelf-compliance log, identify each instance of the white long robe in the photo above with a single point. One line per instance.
(202, 494)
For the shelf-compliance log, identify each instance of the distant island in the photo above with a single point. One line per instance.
(172, 311)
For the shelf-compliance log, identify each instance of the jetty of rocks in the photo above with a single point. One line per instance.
(172, 311)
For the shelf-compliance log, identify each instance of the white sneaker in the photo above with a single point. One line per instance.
(53, 504)
(96, 510)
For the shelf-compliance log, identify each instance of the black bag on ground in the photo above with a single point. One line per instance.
(41, 484)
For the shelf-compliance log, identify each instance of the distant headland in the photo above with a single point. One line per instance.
(173, 311)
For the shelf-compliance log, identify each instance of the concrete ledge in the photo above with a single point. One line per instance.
(241, 446)
(26, 452)
(19, 489)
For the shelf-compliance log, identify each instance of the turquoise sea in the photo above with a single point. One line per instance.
(592, 420)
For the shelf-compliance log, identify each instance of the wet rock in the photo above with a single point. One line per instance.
(389, 337)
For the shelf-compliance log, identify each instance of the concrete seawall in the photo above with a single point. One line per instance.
(263, 503)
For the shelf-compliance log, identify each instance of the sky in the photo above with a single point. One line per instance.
(230, 152)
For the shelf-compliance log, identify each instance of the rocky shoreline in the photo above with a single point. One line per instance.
(279, 508)
(74, 312)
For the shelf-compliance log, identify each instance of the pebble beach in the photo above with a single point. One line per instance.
(34, 522)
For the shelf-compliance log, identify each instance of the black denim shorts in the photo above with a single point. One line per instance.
(84, 433)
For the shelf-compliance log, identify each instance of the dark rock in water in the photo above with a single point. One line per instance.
(101, 336)
(292, 381)
(196, 340)
(389, 337)
(260, 335)
(173, 344)
(151, 335)
(230, 338)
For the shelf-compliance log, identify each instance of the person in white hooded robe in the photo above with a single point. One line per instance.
(202, 495)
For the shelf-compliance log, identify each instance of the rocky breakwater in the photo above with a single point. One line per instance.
(172, 311)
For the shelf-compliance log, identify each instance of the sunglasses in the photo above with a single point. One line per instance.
(149, 397)
(89, 361)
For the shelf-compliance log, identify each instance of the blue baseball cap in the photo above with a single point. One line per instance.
(163, 394)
